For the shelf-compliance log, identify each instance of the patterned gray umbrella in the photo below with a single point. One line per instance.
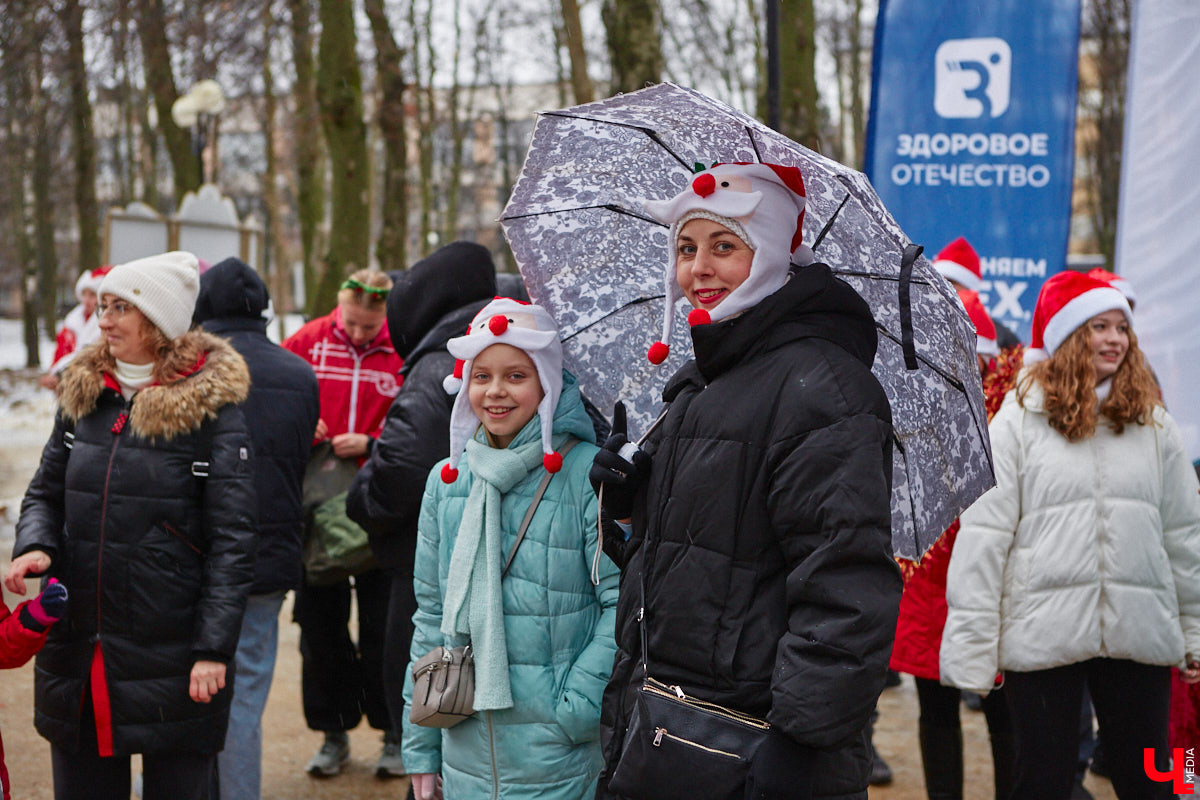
(594, 259)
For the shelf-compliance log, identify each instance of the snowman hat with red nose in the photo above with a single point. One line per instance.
(526, 327)
(762, 204)
(959, 262)
(1068, 300)
(985, 328)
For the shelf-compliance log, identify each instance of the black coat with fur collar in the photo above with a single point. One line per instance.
(157, 562)
(764, 531)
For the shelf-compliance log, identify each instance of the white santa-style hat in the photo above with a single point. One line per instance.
(985, 328)
(90, 279)
(959, 262)
(1068, 300)
(1116, 281)
(526, 327)
(763, 205)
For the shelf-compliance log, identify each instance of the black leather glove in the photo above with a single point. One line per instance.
(619, 473)
(782, 770)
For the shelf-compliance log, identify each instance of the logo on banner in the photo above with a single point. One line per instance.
(972, 78)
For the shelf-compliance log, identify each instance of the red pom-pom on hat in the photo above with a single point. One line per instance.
(658, 352)
(704, 185)
(699, 316)
(498, 324)
(449, 474)
(552, 462)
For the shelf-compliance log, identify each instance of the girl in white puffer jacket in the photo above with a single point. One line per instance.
(1083, 563)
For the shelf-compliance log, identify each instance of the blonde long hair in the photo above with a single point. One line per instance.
(1068, 381)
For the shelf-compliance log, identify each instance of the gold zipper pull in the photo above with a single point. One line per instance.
(658, 734)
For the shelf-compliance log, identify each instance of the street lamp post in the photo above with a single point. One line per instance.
(198, 110)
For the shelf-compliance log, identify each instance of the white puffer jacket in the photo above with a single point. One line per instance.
(1080, 551)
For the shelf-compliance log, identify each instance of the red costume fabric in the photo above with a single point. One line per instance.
(18, 644)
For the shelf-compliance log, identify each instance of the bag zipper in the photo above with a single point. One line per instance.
(661, 733)
(677, 694)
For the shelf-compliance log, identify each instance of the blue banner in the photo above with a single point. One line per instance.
(972, 134)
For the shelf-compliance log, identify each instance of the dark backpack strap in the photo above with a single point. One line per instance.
(203, 452)
(533, 504)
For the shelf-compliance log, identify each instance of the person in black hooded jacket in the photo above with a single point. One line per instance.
(757, 513)
(434, 302)
(281, 412)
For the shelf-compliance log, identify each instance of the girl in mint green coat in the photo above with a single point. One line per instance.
(542, 634)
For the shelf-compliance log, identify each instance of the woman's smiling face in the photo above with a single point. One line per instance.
(710, 262)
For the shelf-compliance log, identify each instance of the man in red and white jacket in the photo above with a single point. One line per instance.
(357, 371)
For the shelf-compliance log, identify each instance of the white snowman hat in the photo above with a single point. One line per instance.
(763, 204)
(526, 327)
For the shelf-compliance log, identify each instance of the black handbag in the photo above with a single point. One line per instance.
(678, 747)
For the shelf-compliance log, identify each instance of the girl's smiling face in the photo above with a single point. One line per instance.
(504, 390)
(710, 262)
(1109, 341)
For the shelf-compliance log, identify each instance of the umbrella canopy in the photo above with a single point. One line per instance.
(591, 255)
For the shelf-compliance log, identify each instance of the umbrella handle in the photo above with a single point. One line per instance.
(911, 252)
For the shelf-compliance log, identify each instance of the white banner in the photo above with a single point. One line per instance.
(1158, 231)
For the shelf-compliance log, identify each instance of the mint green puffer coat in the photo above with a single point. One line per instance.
(558, 626)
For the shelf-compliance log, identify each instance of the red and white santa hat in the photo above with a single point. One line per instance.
(763, 204)
(1068, 300)
(1117, 282)
(526, 327)
(91, 279)
(985, 328)
(959, 262)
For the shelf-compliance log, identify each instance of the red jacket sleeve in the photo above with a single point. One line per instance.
(17, 643)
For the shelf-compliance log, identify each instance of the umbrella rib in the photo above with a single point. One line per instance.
(607, 206)
(875, 277)
(653, 135)
(953, 381)
(636, 302)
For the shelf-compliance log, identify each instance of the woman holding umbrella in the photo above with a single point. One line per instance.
(141, 505)
(1083, 563)
(753, 524)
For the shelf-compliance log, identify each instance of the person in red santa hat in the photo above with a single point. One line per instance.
(81, 326)
(958, 263)
(923, 614)
(1082, 563)
(753, 523)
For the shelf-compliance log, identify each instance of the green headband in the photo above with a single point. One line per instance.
(350, 283)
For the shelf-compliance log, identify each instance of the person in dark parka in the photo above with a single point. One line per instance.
(144, 504)
(758, 512)
(434, 302)
(281, 413)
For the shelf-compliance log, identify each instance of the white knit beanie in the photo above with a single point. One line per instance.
(163, 287)
(526, 327)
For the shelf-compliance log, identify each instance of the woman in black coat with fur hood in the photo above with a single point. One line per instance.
(143, 504)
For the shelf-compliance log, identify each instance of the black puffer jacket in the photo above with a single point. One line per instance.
(157, 561)
(764, 530)
(281, 414)
(434, 302)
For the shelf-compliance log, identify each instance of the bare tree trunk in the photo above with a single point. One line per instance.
(634, 35)
(799, 119)
(581, 83)
(15, 154)
(453, 183)
(392, 248)
(306, 135)
(858, 116)
(41, 176)
(1110, 26)
(426, 114)
(71, 14)
(339, 96)
(160, 80)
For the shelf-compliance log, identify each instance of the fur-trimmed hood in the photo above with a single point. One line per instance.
(162, 410)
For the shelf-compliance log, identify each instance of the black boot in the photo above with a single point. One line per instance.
(942, 757)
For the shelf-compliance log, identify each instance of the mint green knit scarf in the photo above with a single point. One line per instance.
(473, 604)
